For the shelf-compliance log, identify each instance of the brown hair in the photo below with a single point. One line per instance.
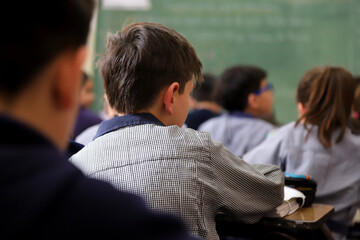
(143, 58)
(328, 94)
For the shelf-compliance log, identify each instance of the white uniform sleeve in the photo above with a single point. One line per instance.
(246, 192)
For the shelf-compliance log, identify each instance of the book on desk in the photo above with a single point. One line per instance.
(293, 200)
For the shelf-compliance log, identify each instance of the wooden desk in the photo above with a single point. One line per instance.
(310, 218)
(305, 223)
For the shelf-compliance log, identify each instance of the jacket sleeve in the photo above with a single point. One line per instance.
(246, 192)
(97, 210)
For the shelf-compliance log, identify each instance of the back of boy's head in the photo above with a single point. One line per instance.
(327, 93)
(205, 91)
(236, 83)
(142, 59)
(39, 32)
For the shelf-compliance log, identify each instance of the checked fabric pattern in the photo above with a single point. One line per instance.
(181, 171)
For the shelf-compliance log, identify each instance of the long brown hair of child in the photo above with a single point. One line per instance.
(327, 93)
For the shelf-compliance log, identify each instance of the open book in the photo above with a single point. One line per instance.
(293, 200)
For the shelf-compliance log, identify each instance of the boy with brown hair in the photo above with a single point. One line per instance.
(148, 72)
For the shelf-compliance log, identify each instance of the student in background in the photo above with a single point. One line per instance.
(88, 134)
(203, 105)
(149, 71)
(247, 97)
(87, 94)
(43, 195)
(86, 117)
(320, 144)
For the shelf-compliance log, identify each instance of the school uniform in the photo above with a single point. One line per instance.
(335, 169)
(196, 117)
(238, 131)
(180, 170)
(87, 135)
(44, 196)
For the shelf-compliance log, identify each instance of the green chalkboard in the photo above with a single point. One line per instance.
(285, 37)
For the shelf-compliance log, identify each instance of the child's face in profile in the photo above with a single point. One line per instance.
(87, 95)
(181, 108)
(266, 99)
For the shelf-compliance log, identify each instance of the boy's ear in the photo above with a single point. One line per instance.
(67, 78)
(252, 101)
(169, 97)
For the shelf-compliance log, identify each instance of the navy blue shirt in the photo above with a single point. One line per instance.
(44, 196)
(198, 116)
(127, 120)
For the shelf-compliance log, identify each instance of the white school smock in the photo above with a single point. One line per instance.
(239, 132)
(181, 171)
(336, 169)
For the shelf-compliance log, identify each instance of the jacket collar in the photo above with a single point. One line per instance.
(241, 114)
(118, 122)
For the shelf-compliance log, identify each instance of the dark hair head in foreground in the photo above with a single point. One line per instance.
(38, 32)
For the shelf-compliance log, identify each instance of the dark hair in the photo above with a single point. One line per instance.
(39, 31)
(328, 94)
(205, 91)
(236, 83)
(143, 58)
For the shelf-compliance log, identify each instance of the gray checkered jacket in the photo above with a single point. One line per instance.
(182, 171)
